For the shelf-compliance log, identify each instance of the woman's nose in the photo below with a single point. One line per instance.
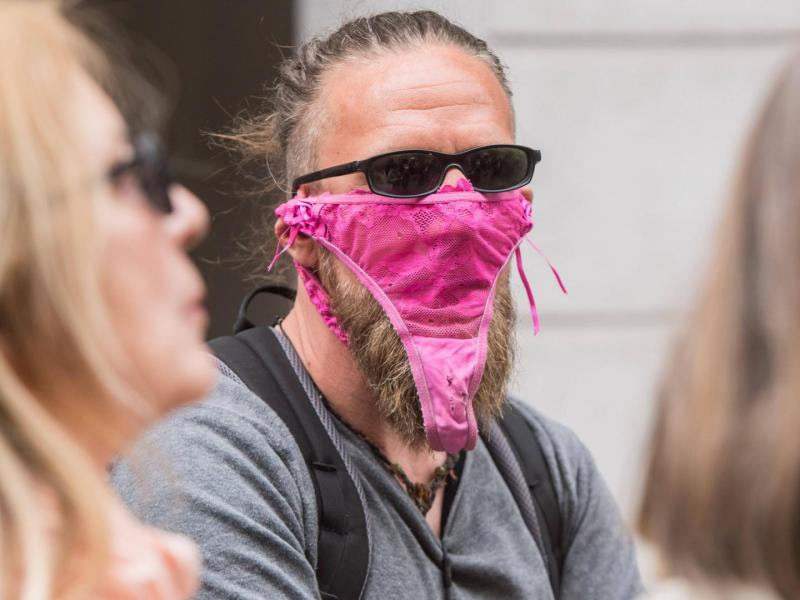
(187, 224)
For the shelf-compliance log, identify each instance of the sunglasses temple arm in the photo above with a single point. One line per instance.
(334, 171)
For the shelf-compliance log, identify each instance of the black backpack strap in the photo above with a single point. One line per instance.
(242, 321)
(256, 356)
(528, 454)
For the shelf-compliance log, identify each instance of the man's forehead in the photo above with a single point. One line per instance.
(431, 97)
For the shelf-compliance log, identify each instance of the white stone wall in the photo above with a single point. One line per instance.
(639, 108)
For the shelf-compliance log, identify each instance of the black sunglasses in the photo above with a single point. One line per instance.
(149, 167)
(415, 173)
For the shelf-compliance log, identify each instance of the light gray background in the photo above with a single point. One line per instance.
(640, 108)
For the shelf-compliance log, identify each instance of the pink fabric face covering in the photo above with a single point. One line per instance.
(433, 264)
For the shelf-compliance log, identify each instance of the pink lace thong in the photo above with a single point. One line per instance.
(433, 264)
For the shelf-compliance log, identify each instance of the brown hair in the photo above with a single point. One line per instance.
(722, 495)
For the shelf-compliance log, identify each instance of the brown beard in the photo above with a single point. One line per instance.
(382, 359)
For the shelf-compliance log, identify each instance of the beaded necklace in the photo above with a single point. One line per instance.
(422, 494)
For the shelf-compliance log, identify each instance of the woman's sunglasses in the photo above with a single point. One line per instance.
(150, 169)
(415, 173)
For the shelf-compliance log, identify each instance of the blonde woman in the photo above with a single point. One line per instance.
(101, 319)
(722, 497)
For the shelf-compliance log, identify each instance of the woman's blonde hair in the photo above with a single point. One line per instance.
(58, 374)
(722, 495)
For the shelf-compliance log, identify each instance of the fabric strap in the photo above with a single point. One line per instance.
(527, 285)
(523, 442)
(255, 355)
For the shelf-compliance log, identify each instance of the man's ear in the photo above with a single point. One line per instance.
(528, 193)
(302, 251)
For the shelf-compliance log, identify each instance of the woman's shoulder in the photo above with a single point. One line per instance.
(147, 563)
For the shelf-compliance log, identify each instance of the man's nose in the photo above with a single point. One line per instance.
(187, 224)
(453, 175)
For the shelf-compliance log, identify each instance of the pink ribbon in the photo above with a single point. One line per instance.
(527, 285)
(299, 217)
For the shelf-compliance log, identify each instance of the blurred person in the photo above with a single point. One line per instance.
(359, 471)
(721, 500)
(101, 319)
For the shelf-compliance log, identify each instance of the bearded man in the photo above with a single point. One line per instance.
(340, 455)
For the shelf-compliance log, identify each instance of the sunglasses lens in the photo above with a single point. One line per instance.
(155, 183)
(405, 175)
(155, 177)
(496, 169)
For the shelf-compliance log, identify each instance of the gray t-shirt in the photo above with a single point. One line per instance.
(228, 473)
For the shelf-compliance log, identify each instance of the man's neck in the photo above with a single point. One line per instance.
(334, 371)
